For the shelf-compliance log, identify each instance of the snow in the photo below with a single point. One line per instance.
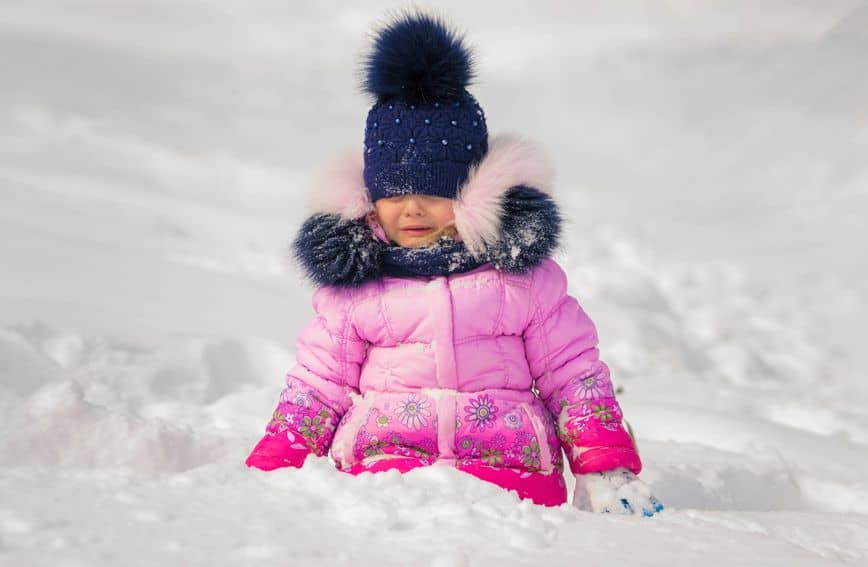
(153, 162)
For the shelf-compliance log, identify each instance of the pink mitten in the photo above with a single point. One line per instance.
(276, 450)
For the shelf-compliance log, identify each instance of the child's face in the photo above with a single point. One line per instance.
(415, 220)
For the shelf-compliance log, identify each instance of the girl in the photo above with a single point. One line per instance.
(445, 334)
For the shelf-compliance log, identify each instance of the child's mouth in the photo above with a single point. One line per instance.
(416, 231)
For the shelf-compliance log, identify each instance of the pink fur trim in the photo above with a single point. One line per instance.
(340, 188)
(510, 161)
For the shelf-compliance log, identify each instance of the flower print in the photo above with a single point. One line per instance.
(522, 438)
(530, 455)
(567, 436)
(383, 420)
(374, 447)
(413, 411)
(286, 395)
(577, 424)
(592, 387)
(301, 399)
(277, 419)
(312, 428)
(416, 451)
(512, 420)
(601, 412)
(427, 447)
(498, 440)
(492, 456)
(481, 412)
(469, 446)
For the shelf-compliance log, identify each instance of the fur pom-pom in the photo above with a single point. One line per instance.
(417, 58)
(336, 251)
(530, 230)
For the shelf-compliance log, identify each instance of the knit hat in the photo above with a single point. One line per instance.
(425, 131)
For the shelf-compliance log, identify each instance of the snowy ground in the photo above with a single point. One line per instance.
(153, 157)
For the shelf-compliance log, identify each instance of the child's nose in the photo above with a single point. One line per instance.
(414, 206)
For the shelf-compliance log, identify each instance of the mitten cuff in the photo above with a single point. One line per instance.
(602, 459)
(277, 450)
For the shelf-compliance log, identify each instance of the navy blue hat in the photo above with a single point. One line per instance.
(425, 130)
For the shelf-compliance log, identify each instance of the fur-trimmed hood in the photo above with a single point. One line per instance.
(504, 214)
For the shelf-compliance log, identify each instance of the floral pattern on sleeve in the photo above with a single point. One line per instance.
(301, 411)
(590, 421)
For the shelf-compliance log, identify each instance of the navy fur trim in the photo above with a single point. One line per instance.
(530, 230)
(417, 58)
(336, 251)
(345, 253)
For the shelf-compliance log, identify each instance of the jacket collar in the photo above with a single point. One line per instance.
(504, 214)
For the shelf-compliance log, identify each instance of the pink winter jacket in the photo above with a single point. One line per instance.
(489, 371)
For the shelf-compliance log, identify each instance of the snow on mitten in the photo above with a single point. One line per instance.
(617, 491)
(276, 450)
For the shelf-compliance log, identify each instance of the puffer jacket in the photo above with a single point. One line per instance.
(492, 370)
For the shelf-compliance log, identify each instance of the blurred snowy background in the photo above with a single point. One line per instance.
(154, 157)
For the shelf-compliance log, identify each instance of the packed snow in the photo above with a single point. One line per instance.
(154, 158)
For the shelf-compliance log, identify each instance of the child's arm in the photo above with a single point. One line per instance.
(561, 348)
(329, 354)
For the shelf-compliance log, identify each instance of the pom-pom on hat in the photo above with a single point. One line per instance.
(425, 131)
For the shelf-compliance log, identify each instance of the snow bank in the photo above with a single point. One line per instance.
(218, 514)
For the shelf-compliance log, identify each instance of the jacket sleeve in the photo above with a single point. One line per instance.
(329, 354)
(561, 347)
